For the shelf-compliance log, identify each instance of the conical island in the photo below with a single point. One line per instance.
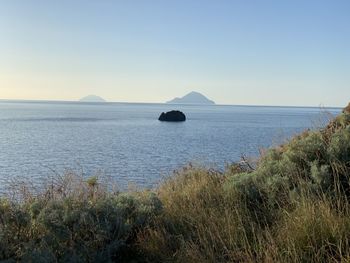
(192, 98)
(92, 98)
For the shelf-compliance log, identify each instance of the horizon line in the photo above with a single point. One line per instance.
(189, 104)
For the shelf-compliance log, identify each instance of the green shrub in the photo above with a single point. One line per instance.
(321, 176)
(339, 146)
(74, 230)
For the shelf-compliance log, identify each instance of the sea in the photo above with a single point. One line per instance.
(40, 140)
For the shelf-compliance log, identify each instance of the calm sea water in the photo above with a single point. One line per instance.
(128, 143)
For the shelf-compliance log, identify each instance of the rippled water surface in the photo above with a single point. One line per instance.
(128, 143)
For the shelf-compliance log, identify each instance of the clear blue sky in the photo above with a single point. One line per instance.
(235, 52)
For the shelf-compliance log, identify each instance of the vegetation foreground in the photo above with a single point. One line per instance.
(291, 206)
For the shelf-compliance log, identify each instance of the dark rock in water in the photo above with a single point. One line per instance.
(173, 115)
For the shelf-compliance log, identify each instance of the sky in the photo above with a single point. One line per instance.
(263, 52)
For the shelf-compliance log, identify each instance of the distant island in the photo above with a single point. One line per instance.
(92, 98)
(192, 98)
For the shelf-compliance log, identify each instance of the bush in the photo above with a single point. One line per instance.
(75, 230)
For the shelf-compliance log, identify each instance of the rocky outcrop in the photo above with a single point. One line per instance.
(174, 116)
(347, 109)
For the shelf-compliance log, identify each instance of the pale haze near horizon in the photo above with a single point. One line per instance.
(234, 52)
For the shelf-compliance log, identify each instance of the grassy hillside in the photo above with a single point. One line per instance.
(293, 206)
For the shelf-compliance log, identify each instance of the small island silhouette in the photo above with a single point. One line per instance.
(192, 98)
(92, 98)
(172, 116)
